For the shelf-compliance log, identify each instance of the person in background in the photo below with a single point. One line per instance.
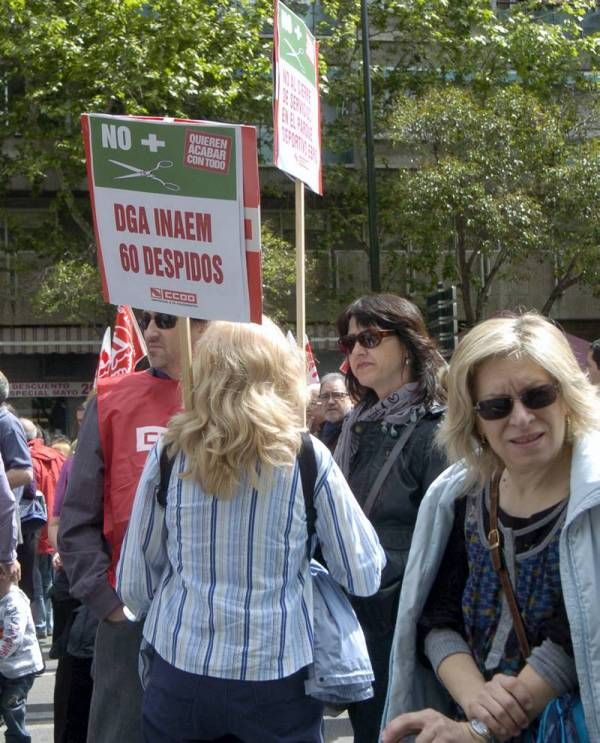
(336, 403)
(386, 451)
(502, 587)
(13, 445)
(9, 529)
(79, 413)
(121, 424)
(47, 464)
(62, 444)
(20, 659)
(222, 573)
(593, 363)
(72, 641)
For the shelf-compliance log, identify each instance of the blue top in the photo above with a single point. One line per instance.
(8, 520)
(227, 587)
(13, 444)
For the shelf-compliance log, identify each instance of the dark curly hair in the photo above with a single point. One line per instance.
(391, 312)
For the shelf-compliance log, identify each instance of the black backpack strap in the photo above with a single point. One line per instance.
(308, 474)
(166, 467)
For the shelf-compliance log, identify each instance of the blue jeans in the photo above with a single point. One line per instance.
(13, 700)
(41, 607)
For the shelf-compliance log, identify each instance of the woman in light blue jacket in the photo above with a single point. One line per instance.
(523, 421)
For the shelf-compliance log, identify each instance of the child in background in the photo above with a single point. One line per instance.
(20, 659)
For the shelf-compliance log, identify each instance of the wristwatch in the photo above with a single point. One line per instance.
(481, 729)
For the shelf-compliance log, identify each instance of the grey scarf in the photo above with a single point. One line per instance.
(395, 408)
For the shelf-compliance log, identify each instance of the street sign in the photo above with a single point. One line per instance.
(176, 217)
(50, 389)
(296, 107)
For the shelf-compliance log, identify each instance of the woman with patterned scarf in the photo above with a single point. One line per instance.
(386, 451)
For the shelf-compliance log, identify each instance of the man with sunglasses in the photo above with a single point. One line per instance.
(119, 428)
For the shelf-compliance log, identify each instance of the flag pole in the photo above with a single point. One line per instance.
(185, 342)
(300, 274)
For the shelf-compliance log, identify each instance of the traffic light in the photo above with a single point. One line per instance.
(442, 318)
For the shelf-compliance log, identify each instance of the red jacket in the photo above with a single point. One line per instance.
(133, 411)
(47, 464)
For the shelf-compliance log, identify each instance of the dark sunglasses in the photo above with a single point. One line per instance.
(534, 398)
(369, 338)
(161, 320)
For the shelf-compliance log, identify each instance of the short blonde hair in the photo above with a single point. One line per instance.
(529, 336)
(249, 392)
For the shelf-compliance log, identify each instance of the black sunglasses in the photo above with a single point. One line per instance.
(534, 398)
(161, 320)
(369, 338)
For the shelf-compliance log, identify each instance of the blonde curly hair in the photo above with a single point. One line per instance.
(249, 391)
(529, 336)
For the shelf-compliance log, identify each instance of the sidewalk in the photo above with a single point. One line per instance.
(39, 709)
(39, 702)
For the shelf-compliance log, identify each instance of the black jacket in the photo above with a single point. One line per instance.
(395, 512)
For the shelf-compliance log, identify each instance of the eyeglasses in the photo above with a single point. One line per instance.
(369, 338)
(534, 398)
(325, 396)
(161, 320)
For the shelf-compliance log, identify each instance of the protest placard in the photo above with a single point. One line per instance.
(296, 108)
(176, 214)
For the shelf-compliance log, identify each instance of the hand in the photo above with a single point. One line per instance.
(503, 704)
(11, 570)
(56, 561)
(116, 615)
(429, 726)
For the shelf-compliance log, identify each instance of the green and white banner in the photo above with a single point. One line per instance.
(169, 214)
(296, 107)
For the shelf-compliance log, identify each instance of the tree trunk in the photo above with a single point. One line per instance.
(557, 292)
(464, 273)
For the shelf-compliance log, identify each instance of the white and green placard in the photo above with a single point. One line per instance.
(168, 202)
(296, 108)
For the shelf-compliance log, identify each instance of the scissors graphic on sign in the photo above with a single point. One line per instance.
(141, 173)
(295, 53)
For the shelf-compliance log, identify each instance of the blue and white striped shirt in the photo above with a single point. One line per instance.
(226, 584)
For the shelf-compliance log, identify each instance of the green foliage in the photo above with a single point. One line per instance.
(279, 275)
(498, 179)
(71, 291)
(199, 59)
(279, 279)
(492, 111)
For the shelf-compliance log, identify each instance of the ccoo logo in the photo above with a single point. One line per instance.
(147, 436)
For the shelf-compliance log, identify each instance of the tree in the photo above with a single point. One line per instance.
(570, 201)
(488, 106)
(496, 181)
(198, 59)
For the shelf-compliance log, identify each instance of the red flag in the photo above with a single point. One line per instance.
(103, 368)
(312, 375)
(128, 346)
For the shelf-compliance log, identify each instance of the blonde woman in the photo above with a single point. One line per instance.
(502, 587)
(222, 573)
